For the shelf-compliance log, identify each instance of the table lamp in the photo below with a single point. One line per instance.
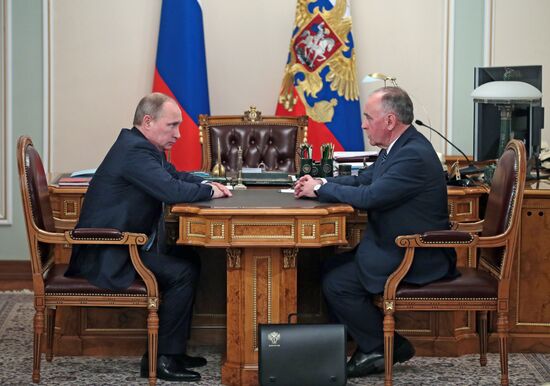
(504, 94)
(376, 76)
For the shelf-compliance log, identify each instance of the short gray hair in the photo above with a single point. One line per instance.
(150, 105)
(397, 101)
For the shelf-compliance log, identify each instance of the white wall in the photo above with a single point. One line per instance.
(103, 55)
(521, 36)
(102, 62)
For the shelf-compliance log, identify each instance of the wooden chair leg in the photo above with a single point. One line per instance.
(389, 329)
(482, 331)
(152, 334)
(50, 325)
(502, 331)
(38, 331)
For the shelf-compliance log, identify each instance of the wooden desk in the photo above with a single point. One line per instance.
(262, 231)
(122, 332)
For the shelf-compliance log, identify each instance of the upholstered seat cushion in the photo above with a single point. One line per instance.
(56, 282)
(471, 283)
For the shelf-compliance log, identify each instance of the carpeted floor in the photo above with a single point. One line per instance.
(16, 313)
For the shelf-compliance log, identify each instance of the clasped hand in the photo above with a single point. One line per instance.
(220, 190)
(304, 186)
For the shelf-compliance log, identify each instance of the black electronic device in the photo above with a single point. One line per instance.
(527, 117)
(302, 354)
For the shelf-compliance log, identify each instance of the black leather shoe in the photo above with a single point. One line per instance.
(403, 352)
(169, 369)
(183, 360)
(362, 364)
(190, 362)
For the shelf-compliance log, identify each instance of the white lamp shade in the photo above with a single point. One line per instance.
(377, 76)
(502, 91)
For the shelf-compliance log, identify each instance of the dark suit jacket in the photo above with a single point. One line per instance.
(405, 194)
(126, 193)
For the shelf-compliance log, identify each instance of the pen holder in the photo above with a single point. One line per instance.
(327, 166)
(316, 170)
(305, 166)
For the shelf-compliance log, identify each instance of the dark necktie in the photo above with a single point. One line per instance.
(161, 231)
(383, 155)
(158, 233)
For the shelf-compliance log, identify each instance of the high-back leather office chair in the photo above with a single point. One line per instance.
(51, 287)
(482, 289)
(268, 142)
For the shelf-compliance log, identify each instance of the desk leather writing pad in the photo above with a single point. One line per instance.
(260, 198)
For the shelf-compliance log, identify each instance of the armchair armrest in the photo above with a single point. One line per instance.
(433, 239)
(96, 233)
(438, 239)
(107, 236)
(104, 236)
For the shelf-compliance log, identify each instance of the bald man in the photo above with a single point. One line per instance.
(127, 192)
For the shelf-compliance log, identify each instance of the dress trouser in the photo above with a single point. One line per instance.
(177, 272)
(351, 304)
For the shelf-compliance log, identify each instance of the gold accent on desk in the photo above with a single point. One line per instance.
(255, 296)
(233, 257)
(289, 257)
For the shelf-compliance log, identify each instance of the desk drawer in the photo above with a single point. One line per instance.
(464, 208)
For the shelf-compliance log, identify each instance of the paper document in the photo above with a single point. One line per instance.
(253, 170)
(346, 154)
(83, 173)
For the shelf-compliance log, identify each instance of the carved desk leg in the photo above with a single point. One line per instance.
(261, 288)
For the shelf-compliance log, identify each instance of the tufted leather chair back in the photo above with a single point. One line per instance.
(268, 142)
(36, 200)
(503, 205)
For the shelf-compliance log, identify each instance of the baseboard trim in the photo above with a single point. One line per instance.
(15, 275)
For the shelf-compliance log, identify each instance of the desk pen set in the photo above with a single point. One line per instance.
(323, 168)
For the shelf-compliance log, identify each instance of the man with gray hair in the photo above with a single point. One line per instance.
(404, 192)
(128, 193)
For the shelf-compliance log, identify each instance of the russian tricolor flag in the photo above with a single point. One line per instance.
(181, 73)
(320, 76)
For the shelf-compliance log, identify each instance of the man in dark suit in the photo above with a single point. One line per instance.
(128, 192)
(404, 192)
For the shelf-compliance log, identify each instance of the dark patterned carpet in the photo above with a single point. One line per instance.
(16, 313)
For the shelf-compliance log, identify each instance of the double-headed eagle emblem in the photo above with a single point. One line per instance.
(321, 40)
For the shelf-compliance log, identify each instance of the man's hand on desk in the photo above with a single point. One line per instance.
(305, 186)
(220, 190)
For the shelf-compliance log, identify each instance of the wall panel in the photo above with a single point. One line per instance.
(5, 124)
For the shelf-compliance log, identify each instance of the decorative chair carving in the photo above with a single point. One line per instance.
(481, 289)
(268, 142)
(51, 287)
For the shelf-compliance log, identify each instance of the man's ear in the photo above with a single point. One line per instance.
(147, 119)
(391, 121)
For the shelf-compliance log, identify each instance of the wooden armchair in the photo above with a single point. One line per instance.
(51, 287)
(482, 289)
(268, 142)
